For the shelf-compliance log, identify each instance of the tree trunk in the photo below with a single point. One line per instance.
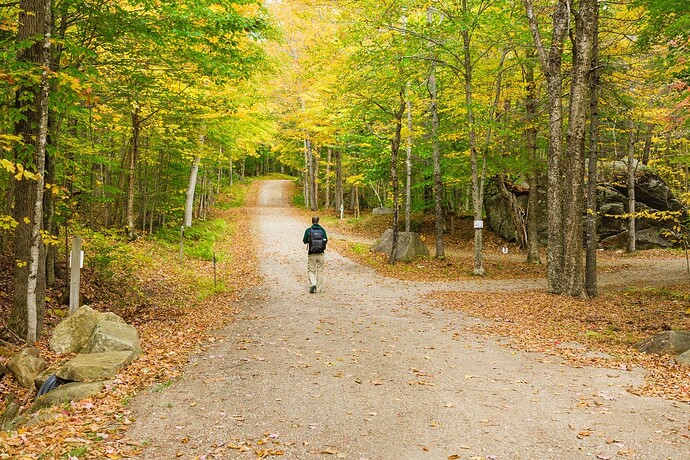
(408, 164)
(476, 186)
(329, 157)
(26, 316)
(573, 196)
(551, 63)
(232, 173)
(436, 149)
(338, 181)
(631, 186)
(355, 200)
(191, 187)
(592, 238)
(313, 199)
(395, 149)
(315, 177)
(531, 106)
(136, 132)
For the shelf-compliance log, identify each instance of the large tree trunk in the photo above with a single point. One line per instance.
(573, 196)
(531, 105)
(592, 239)
(26, 317)
(551, 66)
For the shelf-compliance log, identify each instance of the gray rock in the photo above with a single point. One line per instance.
(26, 366)
(72, 334)
(95, 366)
(498, 216)
(666, 343)
(684, 358)
(69, 392)
(647, 238)
(113, 336)
(652, 196)
(382, 211)
(410, 245)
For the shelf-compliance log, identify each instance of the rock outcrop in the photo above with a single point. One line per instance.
(410, 245)
(654, 201)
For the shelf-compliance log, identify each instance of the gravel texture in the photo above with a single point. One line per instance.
(369, 370)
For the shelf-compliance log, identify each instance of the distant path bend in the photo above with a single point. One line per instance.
(370, 370)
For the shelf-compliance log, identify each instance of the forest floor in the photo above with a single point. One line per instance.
(415, 360)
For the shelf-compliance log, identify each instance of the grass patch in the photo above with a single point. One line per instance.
(199, 239)
(234, 196)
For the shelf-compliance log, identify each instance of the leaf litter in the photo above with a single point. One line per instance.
(156, 294)
(155, 297)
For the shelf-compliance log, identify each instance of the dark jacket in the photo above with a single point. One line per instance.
(305, 240)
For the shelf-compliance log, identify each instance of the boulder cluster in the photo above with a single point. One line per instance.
(656, 208)
(104, 344)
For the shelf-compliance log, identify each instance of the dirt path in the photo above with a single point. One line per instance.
(368, 370)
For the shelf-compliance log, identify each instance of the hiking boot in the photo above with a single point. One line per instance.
(312, 289)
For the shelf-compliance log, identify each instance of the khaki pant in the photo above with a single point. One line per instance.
(315, 264)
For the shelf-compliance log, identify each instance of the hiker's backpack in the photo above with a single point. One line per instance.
(317, 244)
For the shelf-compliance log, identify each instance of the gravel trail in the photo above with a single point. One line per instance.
(370, 370)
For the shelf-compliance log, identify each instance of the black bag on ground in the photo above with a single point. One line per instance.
(317, 244)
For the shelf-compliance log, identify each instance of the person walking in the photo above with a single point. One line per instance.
(315, 238)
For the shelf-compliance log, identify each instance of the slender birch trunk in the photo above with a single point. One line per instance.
(191, 187)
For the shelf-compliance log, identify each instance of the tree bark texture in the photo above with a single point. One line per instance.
(591, 238)
(531, 105)
(573, 196)
(565, 274)
(476, 186)
(28, 307)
